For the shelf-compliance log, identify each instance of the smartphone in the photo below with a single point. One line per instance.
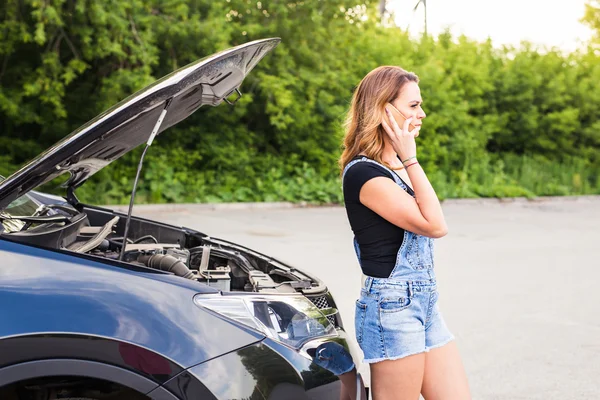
(398, 116)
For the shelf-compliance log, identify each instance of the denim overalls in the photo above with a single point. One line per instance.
(398, 316)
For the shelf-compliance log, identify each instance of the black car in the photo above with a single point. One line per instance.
(97, 304)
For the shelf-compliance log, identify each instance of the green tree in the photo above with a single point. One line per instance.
(501, 122)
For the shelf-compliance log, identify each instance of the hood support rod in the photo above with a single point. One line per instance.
(72, 198)
(139, 169)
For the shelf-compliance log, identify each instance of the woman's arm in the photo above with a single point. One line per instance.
(423, 214)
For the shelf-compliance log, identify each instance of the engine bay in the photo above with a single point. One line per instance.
(192, 255)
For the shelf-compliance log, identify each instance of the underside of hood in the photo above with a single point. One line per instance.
(130, 122)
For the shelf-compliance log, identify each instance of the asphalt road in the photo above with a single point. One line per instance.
(519, 282)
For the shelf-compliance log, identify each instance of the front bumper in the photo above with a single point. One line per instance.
(269, 370)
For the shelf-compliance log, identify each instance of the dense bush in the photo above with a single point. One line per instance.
(501, 122)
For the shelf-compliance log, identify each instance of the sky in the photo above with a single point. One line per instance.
(543, 22)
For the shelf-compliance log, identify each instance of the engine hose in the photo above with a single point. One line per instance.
(167, 263)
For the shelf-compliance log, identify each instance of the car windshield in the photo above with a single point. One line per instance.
(24, 205)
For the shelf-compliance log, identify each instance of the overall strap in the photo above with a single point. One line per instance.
(365, 159)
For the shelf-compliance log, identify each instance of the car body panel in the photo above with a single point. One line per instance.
(259, 373)
(75, 367)
(270, 370)
(104, 310)
(47, 346)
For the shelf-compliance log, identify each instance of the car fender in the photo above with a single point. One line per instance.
(83, 368)
(75, 303)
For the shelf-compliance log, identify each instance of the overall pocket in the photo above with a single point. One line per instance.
(359, 320)
(394, 304)
(419, 251)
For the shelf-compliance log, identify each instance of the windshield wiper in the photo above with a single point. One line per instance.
(36, 219)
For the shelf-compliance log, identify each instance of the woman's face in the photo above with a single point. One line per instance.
(409, 103)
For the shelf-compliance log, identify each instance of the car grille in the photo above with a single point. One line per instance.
(322, 302)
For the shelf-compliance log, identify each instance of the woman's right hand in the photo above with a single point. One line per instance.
(401, 139)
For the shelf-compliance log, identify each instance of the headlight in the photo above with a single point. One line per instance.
(291, 320)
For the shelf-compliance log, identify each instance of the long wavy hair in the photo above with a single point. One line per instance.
(364, 132)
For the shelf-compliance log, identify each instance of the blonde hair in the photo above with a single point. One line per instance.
(363, 130)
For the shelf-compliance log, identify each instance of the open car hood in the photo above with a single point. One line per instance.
(130, 122)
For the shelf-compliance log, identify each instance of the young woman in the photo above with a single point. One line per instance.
(395, 214)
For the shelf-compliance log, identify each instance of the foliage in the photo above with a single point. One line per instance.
(501, 122)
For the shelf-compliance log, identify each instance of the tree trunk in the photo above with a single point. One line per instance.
(382, 4)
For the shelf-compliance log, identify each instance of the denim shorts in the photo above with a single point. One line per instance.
(395, 319)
